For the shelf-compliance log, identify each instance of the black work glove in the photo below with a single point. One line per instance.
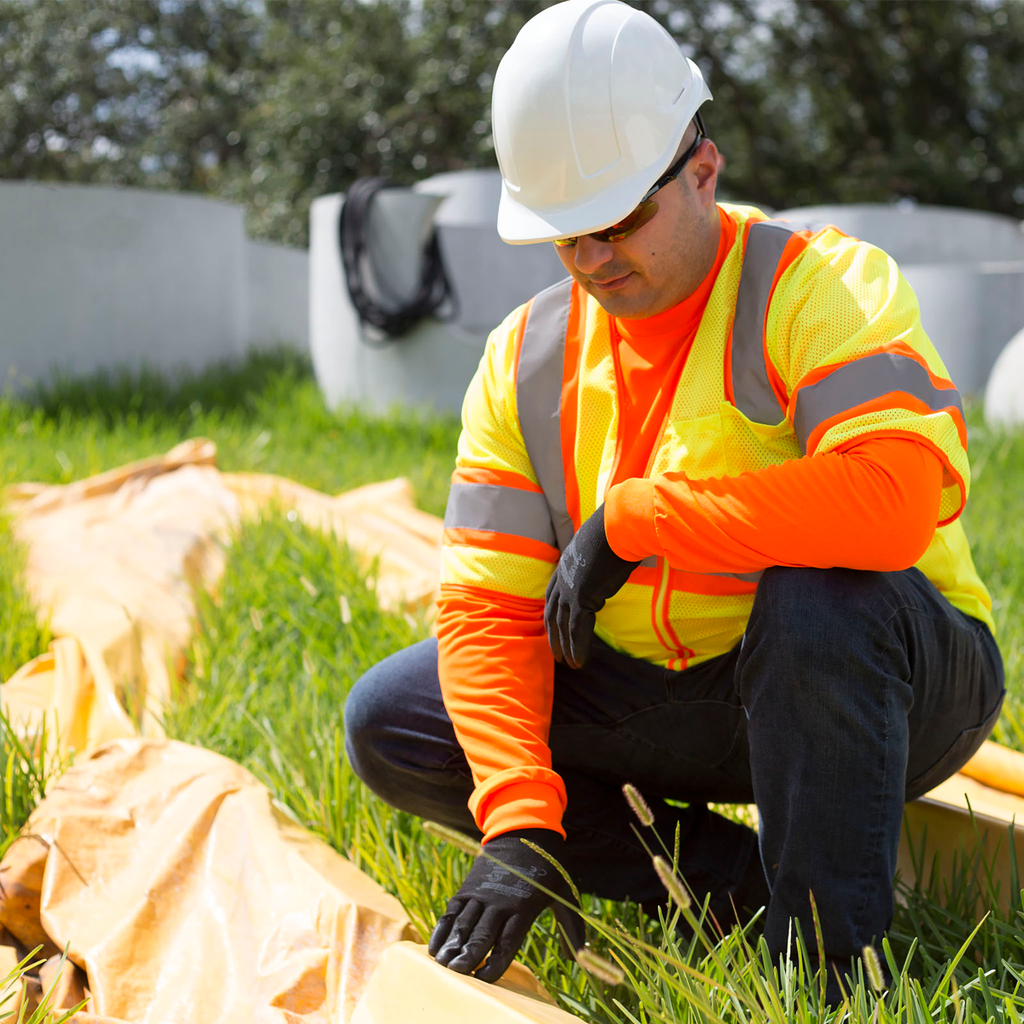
(494, 909)
(588, 573)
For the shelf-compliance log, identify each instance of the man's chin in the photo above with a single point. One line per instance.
(628, 303)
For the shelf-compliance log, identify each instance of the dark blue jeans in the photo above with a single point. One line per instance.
(850, 693)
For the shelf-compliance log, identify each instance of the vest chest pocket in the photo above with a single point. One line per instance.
(693, 447)
(749, 446)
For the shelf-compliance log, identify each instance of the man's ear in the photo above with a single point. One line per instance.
(704, 167)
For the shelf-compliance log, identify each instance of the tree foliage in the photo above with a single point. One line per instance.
(272, 103)
(865, 100)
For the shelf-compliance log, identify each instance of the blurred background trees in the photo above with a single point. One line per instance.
(272, 103)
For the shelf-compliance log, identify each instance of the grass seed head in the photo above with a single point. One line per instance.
(257, 619)
(346, 611)
(599, 967)
(673, 886)
(873, 968)
(639, 805)
(307, 662)
(453, 837)
(309, 587)
(554, 862)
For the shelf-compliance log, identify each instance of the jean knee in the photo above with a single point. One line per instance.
(801, 605)
(366, 721)
(809, 627)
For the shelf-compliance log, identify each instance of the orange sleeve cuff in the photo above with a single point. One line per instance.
(629, 519)
(524, 805)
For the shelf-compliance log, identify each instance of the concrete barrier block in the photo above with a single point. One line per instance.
(1004, 393)
(92, 278)
(277, 296)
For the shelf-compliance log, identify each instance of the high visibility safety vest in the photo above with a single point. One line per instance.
(801, 349)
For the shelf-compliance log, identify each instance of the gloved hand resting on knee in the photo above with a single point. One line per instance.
(493, 910)
(588, 573)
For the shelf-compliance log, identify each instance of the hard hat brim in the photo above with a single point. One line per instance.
(519, 225)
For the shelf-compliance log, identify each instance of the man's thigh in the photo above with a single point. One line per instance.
(671, 734)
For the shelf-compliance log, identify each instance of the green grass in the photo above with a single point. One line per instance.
(271, 662)
(22, 636)
(992, 520)
(265, 414)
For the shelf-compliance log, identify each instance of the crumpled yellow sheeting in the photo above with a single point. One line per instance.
(114, 561)
(182, 894)
(185, 896)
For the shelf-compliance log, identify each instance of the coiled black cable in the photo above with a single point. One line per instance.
(434, 289)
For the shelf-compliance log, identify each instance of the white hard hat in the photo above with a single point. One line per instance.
(590, 104)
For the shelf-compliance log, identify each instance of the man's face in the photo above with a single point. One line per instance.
(661, 264)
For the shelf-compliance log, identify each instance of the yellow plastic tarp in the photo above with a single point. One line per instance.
(183, 894)
(115, 559)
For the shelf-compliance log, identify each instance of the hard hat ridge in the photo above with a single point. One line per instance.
(590, 104)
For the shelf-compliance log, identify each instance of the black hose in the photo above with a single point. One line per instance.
(433, 291)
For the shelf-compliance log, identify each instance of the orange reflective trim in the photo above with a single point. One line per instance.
(891, 400)
(656, 625)
(500, 477)
(507, 602)
(570, 393)
(666, 617)
(620, 405)
(657, 606)
(504, 542)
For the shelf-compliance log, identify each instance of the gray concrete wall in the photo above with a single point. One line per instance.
(914, 234)
(1004, 393)
(277, 296)
(95, 278)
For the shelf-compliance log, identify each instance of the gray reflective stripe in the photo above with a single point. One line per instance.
(650, 562)
(752, 391)
(861, 381)
(501, 509)
(539, 397)
(746, 577)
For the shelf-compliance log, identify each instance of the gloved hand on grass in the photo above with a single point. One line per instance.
(493, 910)
(588, 573)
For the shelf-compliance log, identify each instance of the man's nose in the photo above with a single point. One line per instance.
(589, 255)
